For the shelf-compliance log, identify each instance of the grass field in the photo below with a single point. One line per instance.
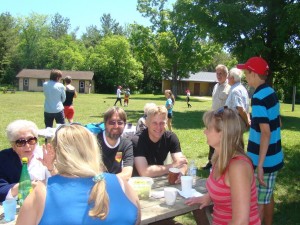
(187, 125)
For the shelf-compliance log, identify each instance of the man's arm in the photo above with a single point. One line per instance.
(180, 161)
(263, 149)
(146, 170)
(245, 116)
(126, 172)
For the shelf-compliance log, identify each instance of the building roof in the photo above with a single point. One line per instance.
(202, 77)
(45, 74)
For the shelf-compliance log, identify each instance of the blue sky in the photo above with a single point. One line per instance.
(82, 13)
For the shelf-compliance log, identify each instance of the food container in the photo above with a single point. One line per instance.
(142, 186)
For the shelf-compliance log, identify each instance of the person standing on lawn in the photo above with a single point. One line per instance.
(264, 144)
(68, 104)
(169, 105)
(219, 96)
(119, 92)
(55, 95)
(238, 98)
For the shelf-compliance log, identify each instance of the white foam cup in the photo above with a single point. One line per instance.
(170, 194)
(186, 183)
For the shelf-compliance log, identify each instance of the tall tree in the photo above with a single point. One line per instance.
(247, 28)
(91, 37)
(142, 42)
(113, 64)
(59, 26)
(8, 43)
(32, 29)
(182, 49)
(109, 26)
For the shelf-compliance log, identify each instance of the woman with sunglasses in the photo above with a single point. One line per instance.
(22, 135)
(231, 183)
(81, 192)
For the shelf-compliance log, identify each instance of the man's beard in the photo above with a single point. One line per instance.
(113, 136)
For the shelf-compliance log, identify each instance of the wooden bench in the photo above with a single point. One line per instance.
(12, 91)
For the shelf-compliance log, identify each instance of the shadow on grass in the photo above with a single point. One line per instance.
(290, 123)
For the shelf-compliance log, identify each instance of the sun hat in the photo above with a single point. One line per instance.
(256, 64)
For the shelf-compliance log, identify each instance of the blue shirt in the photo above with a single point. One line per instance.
(54, 96)
(265, 109)
(169, 103)
(67, 202)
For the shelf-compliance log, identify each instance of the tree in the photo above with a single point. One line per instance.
(182, 49)
(114, 65)
(142, 42)
(252, 28)
(59, 26)
(110, 26)
(92, 36)
(8, 43)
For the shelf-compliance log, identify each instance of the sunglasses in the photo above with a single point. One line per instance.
(23, 142)
(113, 122)
(66, 125)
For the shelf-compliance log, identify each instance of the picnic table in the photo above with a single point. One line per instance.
(155, 209)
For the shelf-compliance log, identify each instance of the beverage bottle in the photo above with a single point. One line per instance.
(25, 182)
(193, 171)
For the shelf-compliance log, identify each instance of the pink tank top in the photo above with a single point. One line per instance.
(221, 197)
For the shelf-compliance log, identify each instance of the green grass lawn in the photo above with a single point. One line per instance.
(187, 124)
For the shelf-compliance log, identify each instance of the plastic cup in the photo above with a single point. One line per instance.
(173, 175)
(170, 194)
(9, 208)
(186, 184)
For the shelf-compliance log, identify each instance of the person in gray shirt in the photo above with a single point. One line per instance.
(55, 95)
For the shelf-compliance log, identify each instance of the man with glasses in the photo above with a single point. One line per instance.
(152, 146)
(219, 96)
(117, 151)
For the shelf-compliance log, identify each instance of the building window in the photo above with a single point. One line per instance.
(40, 82)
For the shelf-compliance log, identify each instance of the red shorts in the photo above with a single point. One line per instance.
(69, 112)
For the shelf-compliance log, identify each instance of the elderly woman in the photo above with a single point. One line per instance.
(81, 193)
(22, 135)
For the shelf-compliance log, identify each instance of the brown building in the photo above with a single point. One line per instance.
(200, 84)
(32, 80)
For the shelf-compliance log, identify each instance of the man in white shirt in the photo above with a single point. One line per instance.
(219, 96)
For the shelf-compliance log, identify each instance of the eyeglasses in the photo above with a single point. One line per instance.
(23, 142)
(114, 122)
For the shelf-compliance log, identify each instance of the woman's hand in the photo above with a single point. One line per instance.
(49, 156)
(204, 201)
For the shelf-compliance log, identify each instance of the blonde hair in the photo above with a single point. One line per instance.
(169, 92)
(225, 120)
(78, 154)
(156, 110)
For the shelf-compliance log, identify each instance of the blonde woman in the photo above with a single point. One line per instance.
(231, 183)
(169, 105)
(80, 193)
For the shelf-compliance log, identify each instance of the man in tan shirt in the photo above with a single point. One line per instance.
(219, 96)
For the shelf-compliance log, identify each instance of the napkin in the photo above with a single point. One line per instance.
(192, 193)
(157, 194)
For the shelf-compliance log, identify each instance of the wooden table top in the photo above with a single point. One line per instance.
(153, 210)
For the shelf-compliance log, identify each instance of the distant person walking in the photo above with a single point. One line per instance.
(55, 95)
(169, 105)
(119, 92)
(68, 104)
(188, 94)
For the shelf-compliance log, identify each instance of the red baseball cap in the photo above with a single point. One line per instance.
(256, 64)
